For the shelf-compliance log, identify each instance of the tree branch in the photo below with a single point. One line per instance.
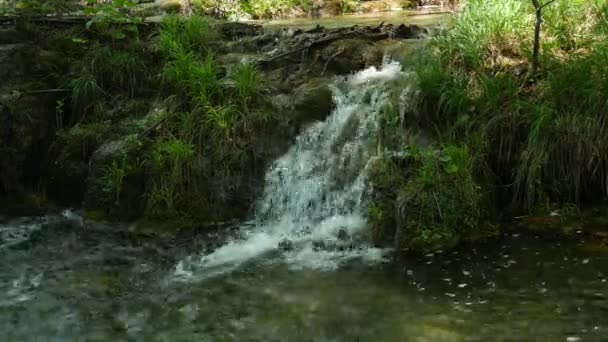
(547, 4)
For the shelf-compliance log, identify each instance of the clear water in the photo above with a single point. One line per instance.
(75, 281)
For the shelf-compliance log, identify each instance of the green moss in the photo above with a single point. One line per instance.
(427, 200)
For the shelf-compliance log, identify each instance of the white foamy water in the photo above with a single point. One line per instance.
(312, 207)
(18, 230)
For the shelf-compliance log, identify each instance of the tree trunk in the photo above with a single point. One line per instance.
(536, 47)
(538, 7)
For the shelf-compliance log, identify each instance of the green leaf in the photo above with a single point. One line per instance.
(451, 168)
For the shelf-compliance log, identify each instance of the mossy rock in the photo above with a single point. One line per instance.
(426, 200)
(11, 36)
(116, 181)
(313, 101)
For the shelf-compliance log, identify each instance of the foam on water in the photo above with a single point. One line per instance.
(314, 195)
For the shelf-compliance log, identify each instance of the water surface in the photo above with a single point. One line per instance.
(73, 281)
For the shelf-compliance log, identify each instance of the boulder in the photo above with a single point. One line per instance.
(350, 55)
(116, 181)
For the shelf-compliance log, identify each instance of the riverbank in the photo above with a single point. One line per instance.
(181, 122)
(491, 135)
(132, 121)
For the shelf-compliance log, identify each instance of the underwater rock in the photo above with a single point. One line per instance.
(286, 245)
(343, 234)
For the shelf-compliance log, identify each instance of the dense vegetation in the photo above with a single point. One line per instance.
(231, 9)
(146, 121)
(194, 146)
(156, 126)
(531, 140)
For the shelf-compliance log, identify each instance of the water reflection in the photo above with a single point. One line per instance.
(98, 283)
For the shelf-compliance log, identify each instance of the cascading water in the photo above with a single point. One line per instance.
(311, 209)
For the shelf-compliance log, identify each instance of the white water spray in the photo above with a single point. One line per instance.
(314, 194)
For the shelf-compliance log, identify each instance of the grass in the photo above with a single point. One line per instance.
(518, 143)
(179, 36)
(538, 135)
(84, 91)
(271, 9)
(245, 79)
(198, 158)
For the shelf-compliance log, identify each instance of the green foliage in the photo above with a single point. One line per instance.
(189, 77)
(113, 178)
(118, 68)
(269, 9)
(85, 136)
(40, 7)
(441, 203)
(539, 141)
(171, 161)
(484, 30)
(85, 91)
(429, 199)
(172, 154)
(180, 36)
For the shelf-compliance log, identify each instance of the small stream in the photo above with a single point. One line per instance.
(69, 280)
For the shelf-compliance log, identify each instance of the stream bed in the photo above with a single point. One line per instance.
(62, 279)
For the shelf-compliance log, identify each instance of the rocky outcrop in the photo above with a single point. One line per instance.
(27, 117)
(52, 148)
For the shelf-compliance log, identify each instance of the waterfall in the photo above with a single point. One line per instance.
(312, 207)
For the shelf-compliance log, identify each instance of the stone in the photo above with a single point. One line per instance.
(286, 245)
(97, 198)
(343, 234)
(233, 30)
(313, 101)
(350, 55)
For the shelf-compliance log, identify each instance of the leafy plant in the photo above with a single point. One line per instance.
(246, 80)
(114, 176)
(85, 91)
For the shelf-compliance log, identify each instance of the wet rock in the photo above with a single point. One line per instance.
(286, 245)
(233, 30)
(11, 36)
(343, 234)
(116, 201)
(347, 56)
(26, 124)
(313, 101)
(319, 245)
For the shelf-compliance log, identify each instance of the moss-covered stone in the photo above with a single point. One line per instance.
(426, 200)
(116, 181)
